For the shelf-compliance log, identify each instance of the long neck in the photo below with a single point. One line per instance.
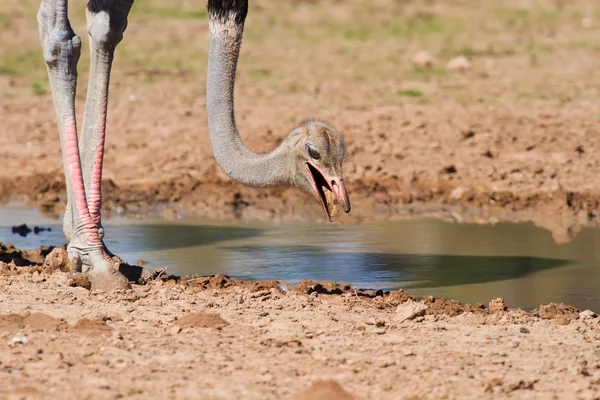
(237, 160)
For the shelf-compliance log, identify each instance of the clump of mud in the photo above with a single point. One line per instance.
(24, 230)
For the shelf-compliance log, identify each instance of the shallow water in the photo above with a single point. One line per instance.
(468, 262)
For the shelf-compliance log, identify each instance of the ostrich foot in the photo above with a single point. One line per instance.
(111, 272)
(97, 267)
(134, 273)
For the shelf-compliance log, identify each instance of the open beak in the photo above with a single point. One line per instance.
(329, 190)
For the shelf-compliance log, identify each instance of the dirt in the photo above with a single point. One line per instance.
(202, 320)
(511, 137)
(218, 337)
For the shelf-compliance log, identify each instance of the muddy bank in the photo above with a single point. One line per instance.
(564, 214)
(225, 338)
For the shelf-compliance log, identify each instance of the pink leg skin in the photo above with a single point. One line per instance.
(76, 180)
(86, 245)
(61, 49)
(95, 191)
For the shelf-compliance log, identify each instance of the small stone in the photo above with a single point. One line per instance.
(175, 329)
(378, 331)
(19, 340)
(459, 64)
(586, 23)
(523, 330)
(587, 314)
(457, 193)
(497, 305)
(80, 280)
(261, 293)
(410, 310)
(423, 59)
(4, 268)
(57, 260)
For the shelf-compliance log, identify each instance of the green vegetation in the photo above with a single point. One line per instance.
(39, 88)
(22, 63)
(410, 93)
(422, 73)
(5, 21)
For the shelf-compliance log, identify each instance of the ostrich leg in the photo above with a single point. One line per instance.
(106, 22)
(62, 49)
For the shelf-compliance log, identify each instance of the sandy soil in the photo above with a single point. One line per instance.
(514, 136)
(219, 338)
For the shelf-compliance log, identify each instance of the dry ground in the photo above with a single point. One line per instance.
(517, 132)
(219, 338)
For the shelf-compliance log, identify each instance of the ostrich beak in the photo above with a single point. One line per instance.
(329, 190)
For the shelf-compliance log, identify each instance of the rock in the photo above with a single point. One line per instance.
(497, 305)
(586, 23)
(459, 64)
(561, 313)
(80, 280)
(410, 310)
(57, 260)
(457, 193)
(19, 340)
(587, 314)
(423, 59)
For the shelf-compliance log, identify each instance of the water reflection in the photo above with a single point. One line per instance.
(471, 263)
(380, 270)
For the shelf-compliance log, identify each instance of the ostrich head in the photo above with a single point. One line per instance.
(317, 156)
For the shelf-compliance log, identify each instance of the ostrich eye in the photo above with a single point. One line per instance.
(314, 153)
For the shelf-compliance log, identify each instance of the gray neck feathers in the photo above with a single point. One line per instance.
(238, 161)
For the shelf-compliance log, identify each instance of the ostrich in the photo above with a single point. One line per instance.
(309, 158)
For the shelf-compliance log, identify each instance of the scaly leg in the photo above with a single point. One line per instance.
(106, 22)
(62, 49)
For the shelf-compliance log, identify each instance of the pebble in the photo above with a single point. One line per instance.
(423, 59)
(19, 340)
(457, 193)
(497, 305)
(459, 64)
(587, 314)
(410, 310)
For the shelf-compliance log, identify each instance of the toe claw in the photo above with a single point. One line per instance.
(108, 280)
